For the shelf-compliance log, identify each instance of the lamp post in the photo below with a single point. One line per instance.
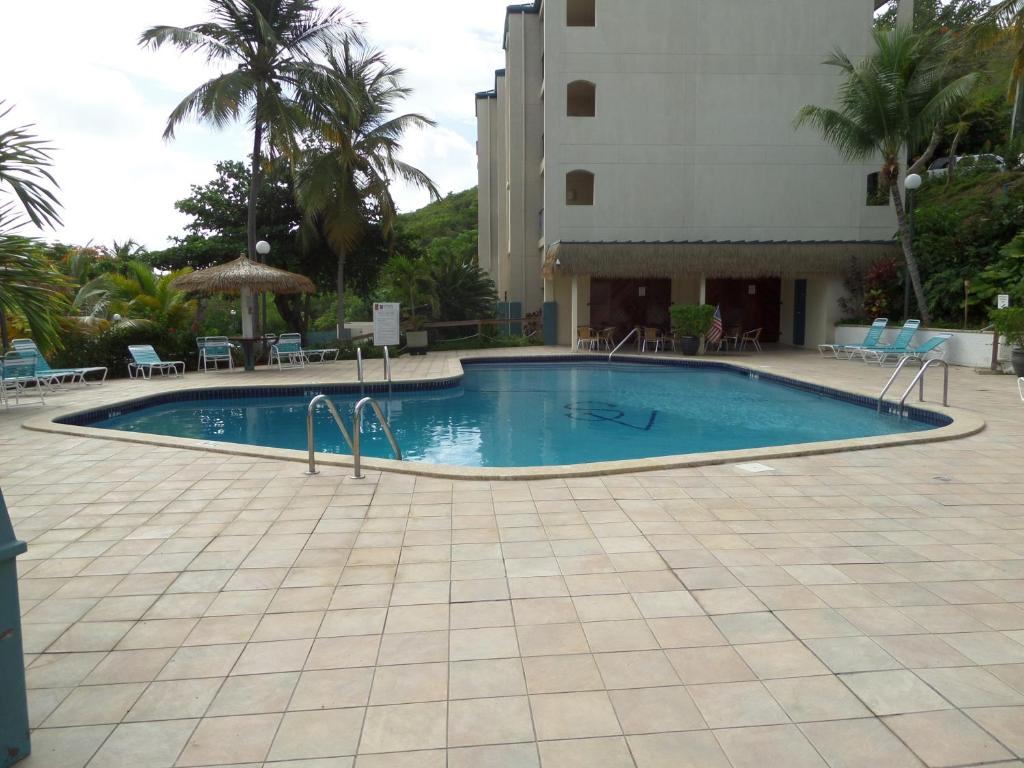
(912, 183)
(263, 249)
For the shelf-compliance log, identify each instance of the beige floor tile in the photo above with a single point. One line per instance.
(93, 636)
(544, 610)
(607, 636)
(731, 705)
(332, 689)
(728, 600)
(411, 683)
(562, 674)
(769, 745)
(66, 747)
(353, 621)
(278, 656)
(226, 740)
(130, 666)
(921, 651)
(635, 669)
(686, 632)
(551, 639)
(752, 628)
(787, 659)
(501, 755)
(573, 715)
(656, 710)
(413, 648)
(318, 734)
(476, 722)
(694, 749)
(201, 661)
(288, 626)
(254, 694)
(859, 744)
(817, 623)
(216, 630)
(605, 607)
(144, 745)
(434, 758)
(586, 753)
(816, 698)
(712, 664)
(95, 705)
(852, 654)
(404, 727)
(53, 670)
(946, 739)
(417, 618)
(338, 652)
(486, 677)
(662, 605)
(175, 699)
(987, 647)
(971, 687)
(890, 693)
(490, 613)
(1005, 723)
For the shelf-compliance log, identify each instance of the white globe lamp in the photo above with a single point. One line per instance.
(913, 181)
(262, 247)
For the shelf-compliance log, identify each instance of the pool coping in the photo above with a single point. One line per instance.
(961, 424)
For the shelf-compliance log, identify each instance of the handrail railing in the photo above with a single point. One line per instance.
(357, 429)
(919, 380)
(359, 366)
(890, 382)
(387, 368)
(310, 429)
(622, 343)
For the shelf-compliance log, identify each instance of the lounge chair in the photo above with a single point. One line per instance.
(289, 347)
(900, 345)
(216, 350)
(919, 352)
(871, 340)
(145, 360)
(17, 372)
(56, 376)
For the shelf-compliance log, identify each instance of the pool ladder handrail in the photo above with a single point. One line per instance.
(623, 342)
(918, 380)
(387, 368)
(359, 367)
(352, 440)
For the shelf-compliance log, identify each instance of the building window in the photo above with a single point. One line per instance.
(580, 13)
(579, 188)
(581, 99)
(875, 195)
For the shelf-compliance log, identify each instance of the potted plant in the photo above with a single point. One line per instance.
(1010, 323)
(689, 323)
(416, 336)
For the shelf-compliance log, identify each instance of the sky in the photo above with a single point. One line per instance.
(75, 71)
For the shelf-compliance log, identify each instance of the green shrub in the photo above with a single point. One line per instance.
(1010, 323)
(109, 348)
(691, 319)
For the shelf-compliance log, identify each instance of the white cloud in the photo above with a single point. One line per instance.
(103, 101)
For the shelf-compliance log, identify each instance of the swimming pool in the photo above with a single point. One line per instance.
(529, 414)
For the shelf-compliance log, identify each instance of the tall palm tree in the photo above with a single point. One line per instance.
(345, 175)
(1007, 17)
(889, 105)
(30, 287)
(275, 83)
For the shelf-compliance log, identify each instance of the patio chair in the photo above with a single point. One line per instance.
(653, 336)
(287, 352)
(753, 338)
(900, 345)
(17, 372)
(871, 339)
(54, 377)
(917, 353)
(216, 350)
(585, 337)
(145, 360)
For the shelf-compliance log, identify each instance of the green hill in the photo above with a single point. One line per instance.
(453, 217)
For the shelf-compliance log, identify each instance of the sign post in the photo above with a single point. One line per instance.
(386, 324)
(1003, 301)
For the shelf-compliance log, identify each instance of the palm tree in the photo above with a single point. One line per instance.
(464, 291)
(411, 279)
(344, 176)
(29, 285)
(142, 296)
(890, 104)
(274, 82)
(1007, 16)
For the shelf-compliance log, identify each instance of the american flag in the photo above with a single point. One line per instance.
(715, 334)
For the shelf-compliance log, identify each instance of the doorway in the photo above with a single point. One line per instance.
(799, 312)
(748, 304)
(625, 304)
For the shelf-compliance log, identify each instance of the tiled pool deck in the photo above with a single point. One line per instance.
(852, 610)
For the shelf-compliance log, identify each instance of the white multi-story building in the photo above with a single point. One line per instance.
(639, 153)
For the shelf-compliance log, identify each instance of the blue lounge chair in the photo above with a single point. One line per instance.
(1020, 387)
(216, 350)
(900, 345)
(919, 352)
(17, 373)
(56, 376)
(145, 360)
(871, 340)
(287, 352)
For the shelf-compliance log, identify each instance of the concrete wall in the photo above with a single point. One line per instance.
(969, 348)
(693, 137)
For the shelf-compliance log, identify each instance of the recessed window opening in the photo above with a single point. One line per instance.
(581, 99)
(580, 13)
(579, 188)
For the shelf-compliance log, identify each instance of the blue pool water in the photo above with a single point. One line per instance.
(542, 414)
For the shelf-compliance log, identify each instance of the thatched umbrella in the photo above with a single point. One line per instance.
(244, 277)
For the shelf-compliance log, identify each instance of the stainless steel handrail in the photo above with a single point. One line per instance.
(310, 439)
(387, 368)
(359, 366)
(891, 381)
(357, 429)
(919, 380)
(621, 343)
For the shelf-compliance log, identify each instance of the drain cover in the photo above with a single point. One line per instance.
(755, 467)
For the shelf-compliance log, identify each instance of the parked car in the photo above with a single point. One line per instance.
(968, 164)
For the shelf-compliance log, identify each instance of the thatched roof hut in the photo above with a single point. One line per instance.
(712, 259)
(241, 273)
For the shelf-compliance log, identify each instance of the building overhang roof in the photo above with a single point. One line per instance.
(720, 258)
